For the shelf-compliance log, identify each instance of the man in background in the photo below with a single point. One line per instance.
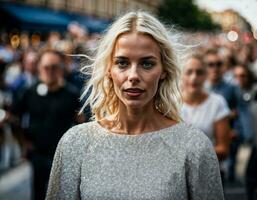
(47, 110)
(230, 92)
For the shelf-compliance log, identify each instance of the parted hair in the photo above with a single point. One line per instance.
(99, 90)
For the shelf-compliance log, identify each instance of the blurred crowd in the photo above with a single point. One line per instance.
(220, 97)
(40, 86)
(39, 98)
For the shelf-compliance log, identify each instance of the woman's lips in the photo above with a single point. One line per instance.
(134, 92)
(195, 85)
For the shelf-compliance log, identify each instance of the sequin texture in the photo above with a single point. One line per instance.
(175, 163)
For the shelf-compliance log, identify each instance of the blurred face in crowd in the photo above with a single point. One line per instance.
(214, 67)
(29, 62)
(193, 76)
(136, 69)
(228, 59)
(241, 76)
(244, 54)
(50, 69)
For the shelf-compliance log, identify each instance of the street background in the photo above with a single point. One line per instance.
(74, 27)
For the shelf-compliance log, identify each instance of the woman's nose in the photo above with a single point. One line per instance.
(193, 76)
(133, 75)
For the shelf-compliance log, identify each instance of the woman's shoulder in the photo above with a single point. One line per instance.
(217, 101)
(197, 145)
(216, 98)
(194, 134)
(78, 134)
(188, 137)
(219, 104)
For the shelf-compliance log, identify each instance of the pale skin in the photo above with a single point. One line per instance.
(136, 70)
(193, 78)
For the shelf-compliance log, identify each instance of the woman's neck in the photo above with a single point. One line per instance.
(194, 98)
(136, 121)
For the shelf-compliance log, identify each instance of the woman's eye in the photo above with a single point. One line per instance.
(188, 72)
(147, 65)
(122, 64)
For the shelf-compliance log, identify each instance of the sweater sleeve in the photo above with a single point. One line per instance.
(64, 179)
(202, 170)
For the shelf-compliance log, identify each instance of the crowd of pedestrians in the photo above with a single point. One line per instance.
(40, 86)
(219, 93)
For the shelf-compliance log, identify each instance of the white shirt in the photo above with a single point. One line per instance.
(203, 116)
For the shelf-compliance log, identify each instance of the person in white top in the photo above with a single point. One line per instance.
(209, 112)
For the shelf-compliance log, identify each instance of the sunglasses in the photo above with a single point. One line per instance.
(240, 75)
(214, 64)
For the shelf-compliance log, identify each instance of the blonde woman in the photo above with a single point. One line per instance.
(136, 147)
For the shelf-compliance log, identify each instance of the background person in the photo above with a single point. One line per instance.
(248, 110)
(216, 83)
(28, 76)
(49, 109)
(209, 112)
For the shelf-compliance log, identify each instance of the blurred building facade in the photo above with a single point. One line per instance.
(98, 8)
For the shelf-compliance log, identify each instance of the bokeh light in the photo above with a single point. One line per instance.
(232, 36)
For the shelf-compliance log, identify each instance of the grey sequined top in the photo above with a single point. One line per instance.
(175, 163)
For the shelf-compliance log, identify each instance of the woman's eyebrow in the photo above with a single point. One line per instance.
(120, 57)
(148, 57)
(142, 58)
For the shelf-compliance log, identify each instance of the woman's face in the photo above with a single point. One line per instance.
(194, 76)
(136, 69)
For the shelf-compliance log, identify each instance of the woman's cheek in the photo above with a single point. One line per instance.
(184, 81)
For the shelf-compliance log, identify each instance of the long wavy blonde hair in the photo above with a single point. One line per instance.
(99, 90)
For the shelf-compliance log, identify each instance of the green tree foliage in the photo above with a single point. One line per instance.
(185, 14)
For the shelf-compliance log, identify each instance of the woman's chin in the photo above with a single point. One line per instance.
(195, 91)
(135, 104)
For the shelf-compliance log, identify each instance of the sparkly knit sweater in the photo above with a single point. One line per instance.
(175, 163)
